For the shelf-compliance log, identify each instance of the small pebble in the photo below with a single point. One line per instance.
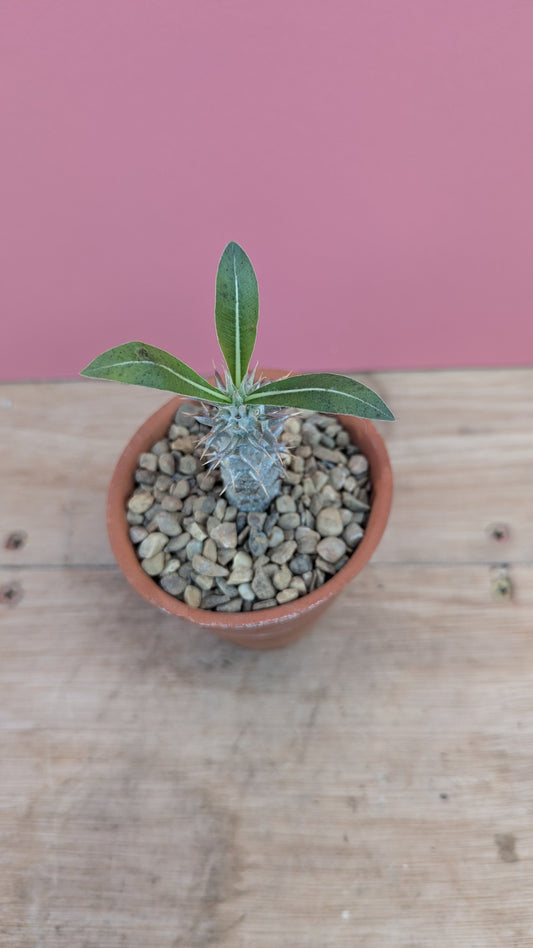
(137, 533)
(148, 461)
(154, 543)
(285, 504)
(262, 586)
(205, 567)
(281, 579)
(331, 549)
(300, 564)
(257, 543)
(353, 533)
(192, 596)
(306, 539)
(289, 521)
(173, 584)
(167, 523)
(358, 465)
(181, 488)
(188, 464)
(287, 595)
(329, 522)
(154, 564)
(167, 464)
(141, 502)
(283, 552)
(275, 537)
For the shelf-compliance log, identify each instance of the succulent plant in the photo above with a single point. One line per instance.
(245, 414)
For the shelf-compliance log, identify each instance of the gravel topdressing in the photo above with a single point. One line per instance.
(212, 556)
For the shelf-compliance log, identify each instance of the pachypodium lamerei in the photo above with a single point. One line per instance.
(245, 413)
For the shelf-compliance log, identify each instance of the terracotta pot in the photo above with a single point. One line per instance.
(264, 628)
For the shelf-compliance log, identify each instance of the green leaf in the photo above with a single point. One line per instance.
(236, 310)
(334, 394)
(140, 364)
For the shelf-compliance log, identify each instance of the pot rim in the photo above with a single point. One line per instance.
(372, 446)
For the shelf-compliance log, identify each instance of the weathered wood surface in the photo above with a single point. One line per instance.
(370, 787)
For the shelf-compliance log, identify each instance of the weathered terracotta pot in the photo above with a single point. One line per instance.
(264, 628)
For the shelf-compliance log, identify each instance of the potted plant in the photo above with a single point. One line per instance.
(244, 511)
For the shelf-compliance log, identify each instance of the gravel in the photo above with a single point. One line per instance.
(210, 555)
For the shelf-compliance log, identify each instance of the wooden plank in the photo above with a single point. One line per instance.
(369, 786)
(462, 452)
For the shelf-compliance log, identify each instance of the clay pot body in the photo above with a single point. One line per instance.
(264, 628)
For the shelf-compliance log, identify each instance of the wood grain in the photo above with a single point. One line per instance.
(369, 787)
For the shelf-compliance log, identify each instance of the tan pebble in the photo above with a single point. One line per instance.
(170, 503)
(293, 425)
(181, 488)
(154, 543)
(220, 508)
(331, 495)
(133, 518)
(160, 447)
(337, 476)
(154, 565)
(204, 582)
(230, 514)
(283, 553)
(168, 522)
(192, 596)
(206, 481)
(241, 574)
(234, 605)
(242, 559)
(172, 566)
(140, 502)
(288, 521)
(186, 445)
(329, 522)
(331, 549)
(298, 582)
(320, 479)
(285, 504)
(358, 464)
(196, 531)
(281, 579)
(275, 537)
(266, 604)
(225, 535)
(225, 556)
(210, 550)
(167, 464)
(306, 539)
(287, 595)
(205, 567)
(148, 461)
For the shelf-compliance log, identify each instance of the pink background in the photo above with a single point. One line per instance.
(373, 157)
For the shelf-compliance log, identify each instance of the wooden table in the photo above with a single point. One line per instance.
(369, 787)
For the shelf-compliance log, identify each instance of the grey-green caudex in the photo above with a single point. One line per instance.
(245, 413)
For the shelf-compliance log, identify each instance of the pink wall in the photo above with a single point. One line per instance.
(373, 157)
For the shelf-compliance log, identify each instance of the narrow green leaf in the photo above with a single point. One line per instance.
(236, 310)
(334, 394)
(140, 364)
